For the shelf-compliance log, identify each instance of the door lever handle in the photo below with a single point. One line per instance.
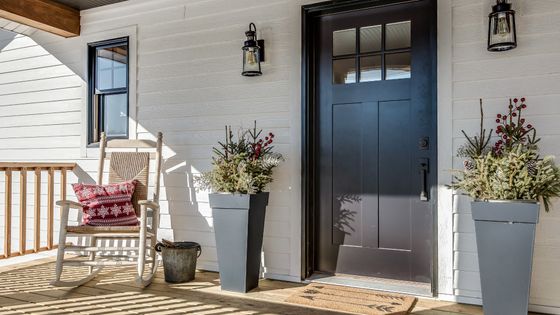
(423, 167)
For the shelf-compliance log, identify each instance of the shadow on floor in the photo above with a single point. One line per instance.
(26, 291)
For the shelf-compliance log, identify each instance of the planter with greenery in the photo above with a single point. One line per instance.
(508, 181)
(242, 168)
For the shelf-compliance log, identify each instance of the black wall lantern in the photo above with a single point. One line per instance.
(253, 53)
(501, 27)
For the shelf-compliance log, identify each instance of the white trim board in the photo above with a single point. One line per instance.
(444, 236)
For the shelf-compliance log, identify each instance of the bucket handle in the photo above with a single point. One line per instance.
(160, 245)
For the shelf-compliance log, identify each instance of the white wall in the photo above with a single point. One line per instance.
(188, 85)
(532, 70)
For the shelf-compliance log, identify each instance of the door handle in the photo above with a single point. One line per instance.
(423, 166)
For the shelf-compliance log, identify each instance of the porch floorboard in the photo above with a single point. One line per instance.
(24, 289)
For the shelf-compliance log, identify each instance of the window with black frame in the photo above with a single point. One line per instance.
(108, 89)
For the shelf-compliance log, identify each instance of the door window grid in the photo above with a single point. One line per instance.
(362, 65)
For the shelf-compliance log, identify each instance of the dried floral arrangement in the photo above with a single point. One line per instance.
(510, 169)
(243, 165)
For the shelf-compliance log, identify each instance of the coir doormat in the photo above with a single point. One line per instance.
(354, 300)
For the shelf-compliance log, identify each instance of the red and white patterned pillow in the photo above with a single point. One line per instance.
(107, 205)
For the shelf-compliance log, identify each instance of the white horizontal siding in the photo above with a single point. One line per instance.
(532, 70)
(188, 85)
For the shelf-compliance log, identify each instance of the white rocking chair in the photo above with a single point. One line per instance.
(124, 165)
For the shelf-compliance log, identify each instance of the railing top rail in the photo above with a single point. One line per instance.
(36, 165)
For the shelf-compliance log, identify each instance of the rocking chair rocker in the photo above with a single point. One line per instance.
(124, 165)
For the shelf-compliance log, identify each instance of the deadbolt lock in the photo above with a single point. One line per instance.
(424, 143)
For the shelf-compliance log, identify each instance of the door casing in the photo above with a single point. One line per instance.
(309, 134)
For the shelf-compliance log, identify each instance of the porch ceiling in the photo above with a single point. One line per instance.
(87, 4)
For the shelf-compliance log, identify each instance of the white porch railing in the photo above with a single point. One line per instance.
(11, 169)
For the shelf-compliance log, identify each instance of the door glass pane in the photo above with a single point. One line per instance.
(370, 69)
(397, 35)
(111, 64)
(370, 38)
(344, 71)
(397, 66)
(115, 116)
(344, 42)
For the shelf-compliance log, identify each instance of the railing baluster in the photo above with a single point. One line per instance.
(37, 229)
(8, 214)
(22, 210)
(50, 208)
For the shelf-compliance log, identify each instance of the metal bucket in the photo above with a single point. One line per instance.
(179, 262)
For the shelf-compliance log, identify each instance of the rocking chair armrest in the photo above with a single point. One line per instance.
(149, 204)
(69, 204)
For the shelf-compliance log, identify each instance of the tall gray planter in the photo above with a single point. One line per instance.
(505, 237)
(238, 227)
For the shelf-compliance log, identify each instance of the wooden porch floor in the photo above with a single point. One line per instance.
(24, 289)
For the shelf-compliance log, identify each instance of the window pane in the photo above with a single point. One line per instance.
(344, 71)
(112, 67)
(115, 115)
(344, 42)
(370, 38)
(397, 66)
(370, 69)
(397, 35)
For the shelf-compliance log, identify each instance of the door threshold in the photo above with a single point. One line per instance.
(372, 283)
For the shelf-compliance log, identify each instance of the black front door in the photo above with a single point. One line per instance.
(376, 159)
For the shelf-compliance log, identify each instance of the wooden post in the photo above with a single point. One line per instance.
(50, 208)
(8, 214)
(22, 210)
(37, 229)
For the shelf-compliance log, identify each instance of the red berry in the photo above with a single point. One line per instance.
(523, 106)
(529, 126)
(499, 115)
(514, 114)
(515, 100)
(505, 137)
(523, 99)
(266, 138)
(498, 121)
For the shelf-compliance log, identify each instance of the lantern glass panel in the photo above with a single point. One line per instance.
(501, 31)
(251, 61)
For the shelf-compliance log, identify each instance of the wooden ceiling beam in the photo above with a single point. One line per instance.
(45, 15)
